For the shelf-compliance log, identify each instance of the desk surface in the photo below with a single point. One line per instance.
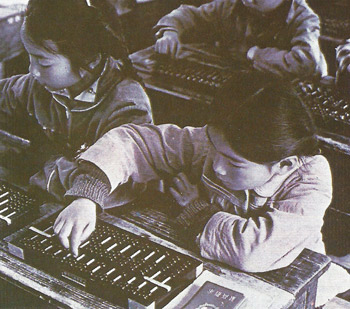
(276, 289)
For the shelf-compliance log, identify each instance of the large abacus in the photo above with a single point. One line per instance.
(114, 264)
(17, 208)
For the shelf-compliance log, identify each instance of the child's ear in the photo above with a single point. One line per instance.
(286, 165)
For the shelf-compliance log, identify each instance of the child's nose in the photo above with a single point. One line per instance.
(34, 70)
(219, 167)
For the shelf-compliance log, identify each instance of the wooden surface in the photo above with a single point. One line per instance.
(47, 287)
(305, 268)
(279, 288)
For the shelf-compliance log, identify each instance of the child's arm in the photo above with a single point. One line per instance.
(192, 24)
(142, 153)
(127, 156)
(273, 239)
(304, 57)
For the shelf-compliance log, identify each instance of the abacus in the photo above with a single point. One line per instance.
(17, 208)
(114, 264)
(330, 110)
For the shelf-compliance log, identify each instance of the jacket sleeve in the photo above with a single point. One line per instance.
(135, 107)
(138, 154)
(275, 238)
(304, 58)
(203, 22)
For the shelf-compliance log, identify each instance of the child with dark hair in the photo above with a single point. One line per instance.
(81, 84)
(276, 36)
(252, 184)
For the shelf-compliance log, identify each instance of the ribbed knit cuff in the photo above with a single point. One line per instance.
(91, 183)
(195, 216)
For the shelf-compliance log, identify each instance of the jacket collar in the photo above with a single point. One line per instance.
(93, 94)
(271, 187)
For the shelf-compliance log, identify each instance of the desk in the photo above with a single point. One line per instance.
(290, 287)
(187, 100)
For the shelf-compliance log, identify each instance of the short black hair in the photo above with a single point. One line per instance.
(76, 28)
(265, 123)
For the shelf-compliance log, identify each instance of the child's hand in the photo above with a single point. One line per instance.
(185, 192)
(75, 223)
(168, 44)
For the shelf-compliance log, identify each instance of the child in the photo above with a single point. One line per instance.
(252, 184)
(343, 70)
(81, 85)
(258, 164)
(277, 36)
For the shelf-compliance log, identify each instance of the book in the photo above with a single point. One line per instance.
(215, 296)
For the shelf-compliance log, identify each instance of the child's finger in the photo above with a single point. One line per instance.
(168, 47)
(173, 49)
(186, 184)
(182, 176)
(58, 225)
(177, 50)
(157, 46)
(75, 239)
(177, 196)
(87, 232)
(178, 182)
(64, 234)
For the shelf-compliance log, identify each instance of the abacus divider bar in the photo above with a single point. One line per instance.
(36, 230)
(7, 220)
(158, 283)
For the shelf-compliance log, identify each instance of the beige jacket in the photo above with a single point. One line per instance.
(284, 42)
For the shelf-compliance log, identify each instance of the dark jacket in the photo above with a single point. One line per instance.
(58, 126)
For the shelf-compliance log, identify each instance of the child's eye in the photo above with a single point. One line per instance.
(44, 64)
(234, 165)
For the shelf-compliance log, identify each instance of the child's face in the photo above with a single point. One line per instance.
(49, 69)
(263, 6)
(234, 171)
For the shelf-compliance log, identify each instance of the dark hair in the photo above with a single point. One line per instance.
(77, 29)
(265, 125)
